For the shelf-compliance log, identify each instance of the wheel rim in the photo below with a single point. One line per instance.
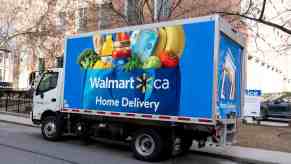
(145, 144)
(50, 129)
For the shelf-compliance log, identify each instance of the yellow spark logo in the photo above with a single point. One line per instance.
(144, 82)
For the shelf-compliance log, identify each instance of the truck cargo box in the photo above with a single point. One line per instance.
(188, 71)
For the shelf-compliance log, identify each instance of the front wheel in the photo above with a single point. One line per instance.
(51, 128)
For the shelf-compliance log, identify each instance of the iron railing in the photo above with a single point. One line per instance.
(19, 101)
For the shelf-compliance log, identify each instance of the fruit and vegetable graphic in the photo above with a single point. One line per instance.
(102, 65)
(144, 44)
(107, 47)
(175, 40)
(171, 39)
(121, 53)
(133, 63)
(141, 49)
(152, 62)
(122, 46)
(161, 45)
(97, 42)
(168, 59)
(87, 58)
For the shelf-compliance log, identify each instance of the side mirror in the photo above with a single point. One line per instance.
(39, 93)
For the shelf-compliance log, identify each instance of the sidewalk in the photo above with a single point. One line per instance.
(236, 153)
(267, 123)
(16, 118)
(251, 155)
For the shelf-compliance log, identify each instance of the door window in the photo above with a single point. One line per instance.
(48, 82)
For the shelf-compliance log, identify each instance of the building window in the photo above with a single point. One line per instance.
(61, 21)
(41, 64)
(81, 19)
(1, 75)
(130, 10)
(6, 60)
(162, 8)
(43, 27)
(104, 15)
(1, 59)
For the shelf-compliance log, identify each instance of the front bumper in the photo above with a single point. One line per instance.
(34, 121)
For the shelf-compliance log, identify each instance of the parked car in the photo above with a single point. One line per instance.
(278, 108)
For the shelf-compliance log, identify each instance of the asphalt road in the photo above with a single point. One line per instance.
(25, 145)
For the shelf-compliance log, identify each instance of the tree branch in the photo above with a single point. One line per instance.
(151, 10)
(174, 7)
(122, 16)
(160, 11)
(143, 3)
(280, 27)
(263, 10)
(249, 7)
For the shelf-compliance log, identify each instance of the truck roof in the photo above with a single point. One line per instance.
(151, 25)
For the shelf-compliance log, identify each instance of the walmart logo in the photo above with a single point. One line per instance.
(142, 83)
(145, 83)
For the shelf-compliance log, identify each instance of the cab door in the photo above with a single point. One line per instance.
(46, 97)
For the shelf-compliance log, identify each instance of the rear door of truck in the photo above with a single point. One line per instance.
(230, 73)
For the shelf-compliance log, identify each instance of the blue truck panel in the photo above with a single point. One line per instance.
(196, 67)
(74, 75)
(140, 71)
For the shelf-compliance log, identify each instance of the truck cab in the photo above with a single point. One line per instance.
(47, 96)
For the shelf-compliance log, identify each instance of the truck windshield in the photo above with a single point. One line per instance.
(48, 81)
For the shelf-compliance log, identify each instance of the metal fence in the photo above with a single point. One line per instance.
(18, 101)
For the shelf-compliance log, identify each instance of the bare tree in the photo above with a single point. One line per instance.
(255, 12)
(247, 16)
(144, 10)
(33, 26)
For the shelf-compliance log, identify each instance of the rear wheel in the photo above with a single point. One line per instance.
(186, 143)
(51, 128)
(147, 145)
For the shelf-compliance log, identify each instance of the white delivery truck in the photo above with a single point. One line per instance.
(252, 107)
(157, 86)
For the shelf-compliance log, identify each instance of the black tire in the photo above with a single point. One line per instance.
(186, 143)
(86, 133)
(264, 113)
(51, 128)
(147, 145)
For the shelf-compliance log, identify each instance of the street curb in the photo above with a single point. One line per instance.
(15, 114)
(232, 158)
(19, 123)
(284, 124)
